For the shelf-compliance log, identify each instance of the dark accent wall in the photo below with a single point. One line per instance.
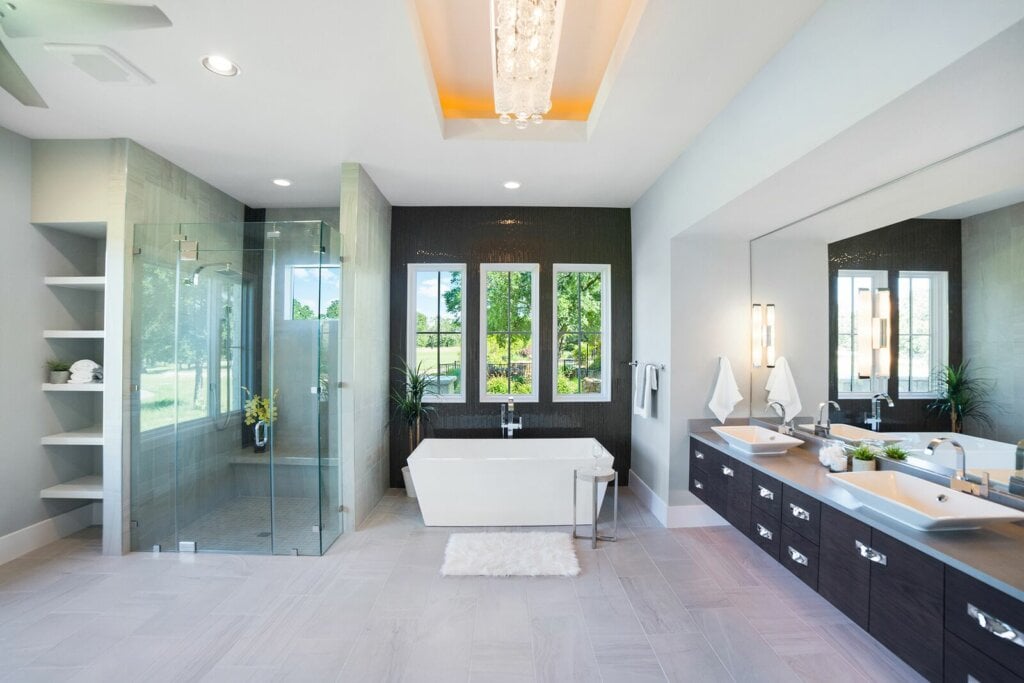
(475, 235)
(917, 244)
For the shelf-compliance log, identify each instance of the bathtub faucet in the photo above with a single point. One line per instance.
(509, 422)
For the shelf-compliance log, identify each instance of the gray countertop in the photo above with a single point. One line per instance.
(993, 555)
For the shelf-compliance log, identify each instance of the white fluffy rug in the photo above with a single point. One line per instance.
(537, 553)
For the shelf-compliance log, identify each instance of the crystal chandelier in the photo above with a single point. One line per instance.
(526, 34)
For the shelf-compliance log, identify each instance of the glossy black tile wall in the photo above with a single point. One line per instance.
(475, 235)
(917, 244)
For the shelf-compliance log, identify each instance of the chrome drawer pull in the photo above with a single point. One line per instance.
(799, 512)
(765, 493)
(764, 533)
(698, 455)
(797, 556)
(998, 628)
(727, 471)
(698, 485)
(870, 553)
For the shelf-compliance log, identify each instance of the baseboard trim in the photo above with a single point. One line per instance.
(35, 536)
(672, 516)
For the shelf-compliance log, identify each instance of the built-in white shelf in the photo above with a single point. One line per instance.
(85, 488)
(93, 283)
(73, 334)
(91, 386)
(90, 436)
(93, 229)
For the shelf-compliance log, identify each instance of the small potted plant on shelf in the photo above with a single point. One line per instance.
(59, 371)
(411, 411)
(863, 459)
(894, 452)
(260, 413)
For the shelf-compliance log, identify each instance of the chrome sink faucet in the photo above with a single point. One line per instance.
(876, 411)
(823, 426)
(510, 423)
(787, 425)
(960, 480)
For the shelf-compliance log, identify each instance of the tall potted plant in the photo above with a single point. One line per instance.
(410, 410)
(962, 396)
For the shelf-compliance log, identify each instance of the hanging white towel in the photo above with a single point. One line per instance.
(782, 388)
(645, 383)
(726, 394)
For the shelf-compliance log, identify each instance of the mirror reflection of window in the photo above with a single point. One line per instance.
(849, 334)
(923, 311)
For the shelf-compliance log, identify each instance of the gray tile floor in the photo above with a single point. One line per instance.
(683, 604)
(243, 525)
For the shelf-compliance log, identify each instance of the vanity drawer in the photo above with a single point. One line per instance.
(975, 612)
(767, 493)
(799, 556)
(765, 531)
(701, 456)
(699, 484)
(963, 663)
(801, 513)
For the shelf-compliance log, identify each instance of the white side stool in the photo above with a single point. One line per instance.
(596, 476)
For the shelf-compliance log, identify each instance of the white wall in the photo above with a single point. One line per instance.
(793, 275)
(27, 307)
(710, 302)
(366, 254)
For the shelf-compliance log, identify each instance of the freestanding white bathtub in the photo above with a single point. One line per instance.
(504, 482)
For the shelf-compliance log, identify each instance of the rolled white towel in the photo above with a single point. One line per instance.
(83, 366)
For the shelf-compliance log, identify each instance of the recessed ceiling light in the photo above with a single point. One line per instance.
(513, 185)
(222, 66)
(282, 182)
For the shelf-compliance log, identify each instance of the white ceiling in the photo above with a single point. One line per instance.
(328, 81)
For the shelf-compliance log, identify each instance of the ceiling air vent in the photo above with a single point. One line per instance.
(100, 62)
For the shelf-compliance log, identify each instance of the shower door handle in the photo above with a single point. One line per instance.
(260, 434)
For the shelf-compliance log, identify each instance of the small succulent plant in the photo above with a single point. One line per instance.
(863, 453)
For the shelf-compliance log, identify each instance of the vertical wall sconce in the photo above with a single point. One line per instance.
(873, 316)
(880, 332)
(762, 335)
(756, 326)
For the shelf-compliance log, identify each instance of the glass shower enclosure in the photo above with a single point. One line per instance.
(235, 401)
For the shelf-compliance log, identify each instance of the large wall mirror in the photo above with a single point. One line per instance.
(905, 294)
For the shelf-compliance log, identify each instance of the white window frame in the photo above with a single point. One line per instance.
(410, 324)
(939, 319)
(605, 395)
(534, 270)
(879, 280)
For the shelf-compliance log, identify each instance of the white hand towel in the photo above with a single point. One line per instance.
(726, 394)
(645, 384)
(82, 371)
(782, 388)
(84, 365)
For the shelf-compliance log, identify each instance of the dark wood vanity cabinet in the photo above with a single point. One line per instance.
(942, 622)
(987, 620)
(844, 576)
(886, 587)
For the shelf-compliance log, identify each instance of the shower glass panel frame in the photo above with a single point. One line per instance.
(225, 317)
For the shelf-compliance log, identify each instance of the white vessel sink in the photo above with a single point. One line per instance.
(921, 504)
(851, 434)
(757, 440)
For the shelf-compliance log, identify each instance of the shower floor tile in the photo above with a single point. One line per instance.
(243, 525)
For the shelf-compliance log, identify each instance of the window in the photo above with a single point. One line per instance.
(508, 330)
(582, 319)
(923, 331)
(853, 327)
(312, 292)
(199, 377)
(437, 309)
